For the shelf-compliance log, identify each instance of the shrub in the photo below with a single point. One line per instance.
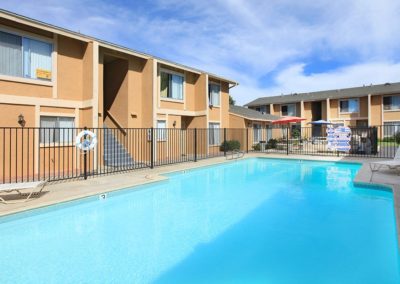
(397, 137)
(394, 138)
(295, 133)
(271, 144)
(230, 145)
(257, 147)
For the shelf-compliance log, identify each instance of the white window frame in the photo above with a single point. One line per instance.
(161, 132)
(348, 112)
(210, 100)
(171, 72)
(287, 105)
(216, 134)
(391, 109)
(32, 36)
(71, 133)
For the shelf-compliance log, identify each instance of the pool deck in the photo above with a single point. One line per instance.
(59, 192)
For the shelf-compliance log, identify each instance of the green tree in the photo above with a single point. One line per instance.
(231, 101)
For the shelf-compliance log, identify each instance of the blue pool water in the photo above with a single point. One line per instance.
(251, 221)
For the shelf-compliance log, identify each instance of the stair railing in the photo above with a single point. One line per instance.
(116, 122)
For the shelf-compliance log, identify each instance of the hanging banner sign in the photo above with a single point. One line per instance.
(339, 138)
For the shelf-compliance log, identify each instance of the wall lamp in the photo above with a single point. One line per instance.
(174, 123)
(21, 120)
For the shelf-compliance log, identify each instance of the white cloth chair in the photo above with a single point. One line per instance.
(35, 187)
(391, 164)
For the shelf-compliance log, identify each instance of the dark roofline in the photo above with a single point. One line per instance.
(380, 89)
(251, 114)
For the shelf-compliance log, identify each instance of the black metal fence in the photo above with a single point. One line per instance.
(29, 154)
(370, 142)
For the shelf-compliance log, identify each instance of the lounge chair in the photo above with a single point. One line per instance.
(36, 187)
(231, 154)
(391, 164)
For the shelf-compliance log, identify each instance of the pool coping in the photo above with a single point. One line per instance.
(148, 176)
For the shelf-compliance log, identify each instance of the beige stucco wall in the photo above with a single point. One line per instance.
(87, 71)
(56, 110)
(363, 107)
(25, 89)
(391, 115)
(10, 115)
(70, 68)
(214, 114)
(190, 92)
(198, 122)
(85, 117)
(277, 109)
(376, 110)
(334, 104)
(135, 97)
(201, 93)
(224, 105)
(146, 113)
(307, 112)
(236, 121)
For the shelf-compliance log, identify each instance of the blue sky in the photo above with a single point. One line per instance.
(269, 47)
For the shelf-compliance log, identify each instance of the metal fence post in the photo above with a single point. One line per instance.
(152, 148)
(84, 158)
(195, 145)
(287, 140)
(225, 142)
(247, 140)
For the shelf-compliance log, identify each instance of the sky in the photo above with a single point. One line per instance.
(270, 47)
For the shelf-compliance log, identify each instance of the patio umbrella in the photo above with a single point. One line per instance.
(320, 122)
(288, 119)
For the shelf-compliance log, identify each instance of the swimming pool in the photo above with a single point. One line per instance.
(250, 221)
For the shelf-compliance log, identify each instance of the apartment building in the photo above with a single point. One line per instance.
(55, 77)
(60, 80)
(364, 106)
(241, 118)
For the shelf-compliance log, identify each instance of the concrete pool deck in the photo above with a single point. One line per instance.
(58, 192)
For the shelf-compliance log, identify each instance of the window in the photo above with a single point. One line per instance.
(391, 128)
(349, 106)
(256, 133)
(214, 93)
(269, 132)
(161, 131)
(213, 137)
(288, 110)
(171, 86)
(391, 103)
(263, 109)
(25, 57)
(56, 129)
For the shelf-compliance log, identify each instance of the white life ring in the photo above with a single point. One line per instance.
(87, 143)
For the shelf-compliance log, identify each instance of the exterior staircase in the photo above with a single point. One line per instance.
(115, 154)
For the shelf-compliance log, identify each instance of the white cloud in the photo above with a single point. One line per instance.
(294, 80)
(247, 40)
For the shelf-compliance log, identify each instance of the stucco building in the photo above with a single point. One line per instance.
(372, 105)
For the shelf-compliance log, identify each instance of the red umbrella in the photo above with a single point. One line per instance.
(288, 119)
